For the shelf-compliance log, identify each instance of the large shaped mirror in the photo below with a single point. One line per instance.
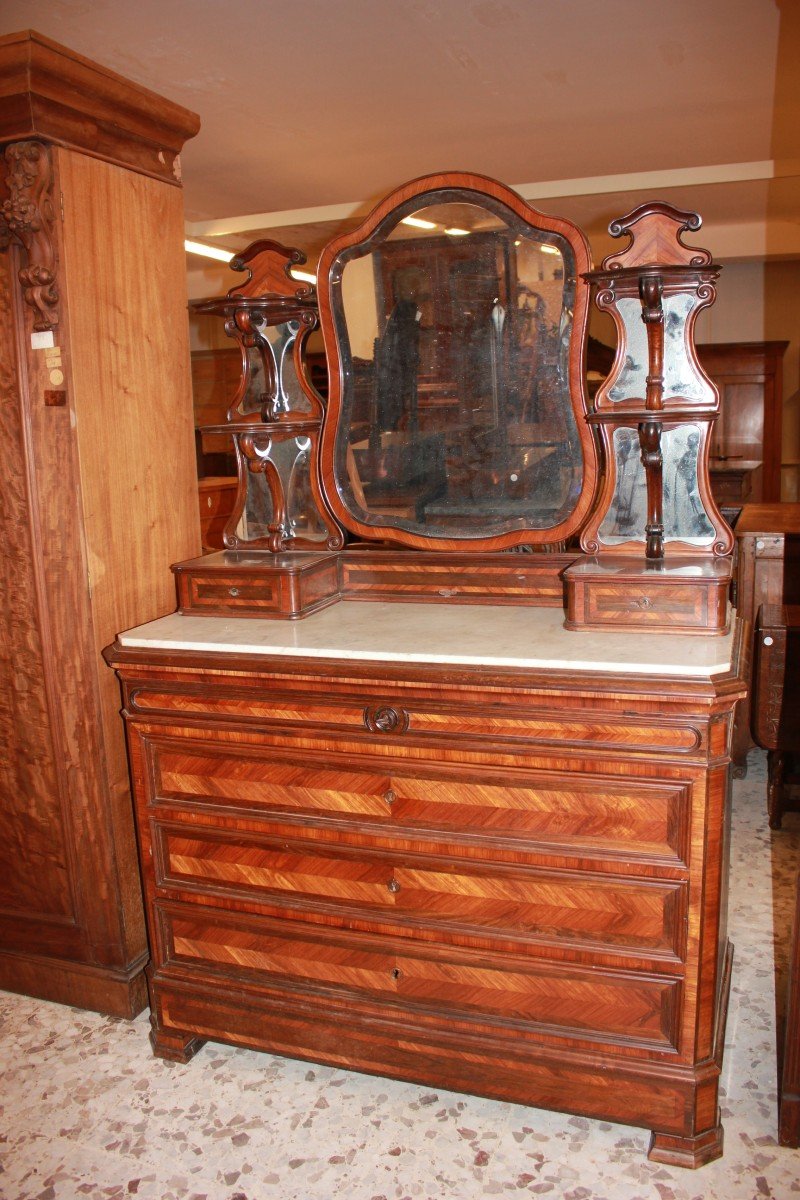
(454, 322)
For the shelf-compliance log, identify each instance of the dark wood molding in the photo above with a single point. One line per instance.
(51, 93)
(27, 215)
(120, 993)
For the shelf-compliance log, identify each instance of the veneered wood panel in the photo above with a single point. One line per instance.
(518, 992)
(533, 727)
(467, 900)
(124, 270)
(645, 817)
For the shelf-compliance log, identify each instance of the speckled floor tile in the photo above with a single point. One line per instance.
(86, 1111)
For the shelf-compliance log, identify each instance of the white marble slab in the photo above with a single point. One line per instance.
(473, 635)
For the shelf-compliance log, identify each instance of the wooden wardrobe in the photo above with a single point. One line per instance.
(95, 380)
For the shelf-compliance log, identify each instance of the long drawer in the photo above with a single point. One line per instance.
(468, 715)
(425, 895)
(623, 818)
(454, 984)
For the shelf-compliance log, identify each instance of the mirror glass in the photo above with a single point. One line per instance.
(289, 459)
(454, 324)
(273, 385)
(685, 518)
(682, 380)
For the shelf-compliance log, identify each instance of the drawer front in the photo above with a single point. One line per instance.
(209, 591)
(769, 546)
(428, 896)
(618, 817)
(266, 593)
(677, 603)
(522, 995)
(388, 718)
(217, 501)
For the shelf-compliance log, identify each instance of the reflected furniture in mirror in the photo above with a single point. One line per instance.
(217, 497)
(411, 823)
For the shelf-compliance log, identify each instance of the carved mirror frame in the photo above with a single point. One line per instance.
(441, 188)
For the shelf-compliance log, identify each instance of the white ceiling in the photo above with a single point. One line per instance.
(334, 102)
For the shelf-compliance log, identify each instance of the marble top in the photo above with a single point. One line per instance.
(472, 635)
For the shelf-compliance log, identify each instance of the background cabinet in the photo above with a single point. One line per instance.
(746, 447)
(94, 384)
(767, 572)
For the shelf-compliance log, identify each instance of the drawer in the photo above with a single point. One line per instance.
(510, 992)
(217, 501)
(274, 593)
(389, 719)
(769, 546)
(681, 604)
(619, 817)
(427, 895)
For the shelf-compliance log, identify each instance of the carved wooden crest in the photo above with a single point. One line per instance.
(268, 265)
(655, 231)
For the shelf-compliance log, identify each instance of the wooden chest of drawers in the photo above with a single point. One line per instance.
(510, 882)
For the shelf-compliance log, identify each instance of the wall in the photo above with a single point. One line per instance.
(782, 322)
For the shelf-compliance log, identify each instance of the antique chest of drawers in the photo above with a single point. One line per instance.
(492, 860)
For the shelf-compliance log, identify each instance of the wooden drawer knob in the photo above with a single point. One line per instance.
(384, 718)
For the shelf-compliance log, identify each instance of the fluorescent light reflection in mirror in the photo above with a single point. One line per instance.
(418, 223)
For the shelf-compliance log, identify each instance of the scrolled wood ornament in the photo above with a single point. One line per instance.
(28, 216)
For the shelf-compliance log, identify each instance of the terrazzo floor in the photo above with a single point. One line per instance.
(86, 1111)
